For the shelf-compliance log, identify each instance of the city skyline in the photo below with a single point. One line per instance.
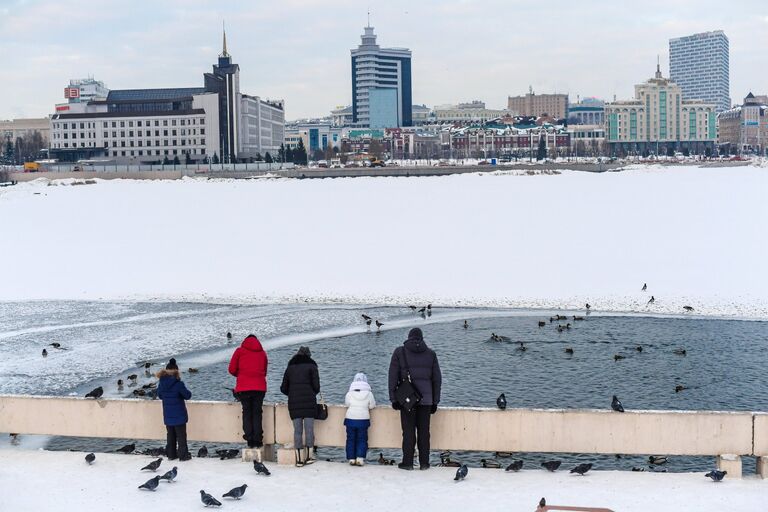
(299, 52)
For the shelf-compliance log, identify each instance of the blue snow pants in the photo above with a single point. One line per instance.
(357, 438)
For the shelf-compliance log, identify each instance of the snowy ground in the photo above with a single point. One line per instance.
(695, 235)
(39, 480)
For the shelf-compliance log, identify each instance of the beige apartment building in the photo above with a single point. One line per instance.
(532, 104)
(659, 121)
(744, 129)
(11, 130)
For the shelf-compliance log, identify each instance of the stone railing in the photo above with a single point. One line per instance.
(726, 435)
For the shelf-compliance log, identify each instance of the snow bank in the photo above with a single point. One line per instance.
(695, 235)
(68, 483)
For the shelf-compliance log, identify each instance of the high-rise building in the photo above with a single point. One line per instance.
(381, 84)
(659, 121)
(535, 105)
(699, 65)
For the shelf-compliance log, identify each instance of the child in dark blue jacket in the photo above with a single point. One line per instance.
(172, 391)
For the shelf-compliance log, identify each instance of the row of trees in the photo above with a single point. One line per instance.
(297, 155)
(24, 149)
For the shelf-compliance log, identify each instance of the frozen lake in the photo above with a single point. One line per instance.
(722, 370)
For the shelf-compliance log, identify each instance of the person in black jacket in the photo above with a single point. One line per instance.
(301, 383)
(424, 369)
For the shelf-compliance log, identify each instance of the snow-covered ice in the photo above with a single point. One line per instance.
(40, 480)
(695, 235)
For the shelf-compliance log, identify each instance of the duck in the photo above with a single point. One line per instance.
(45, 353)
(192, 370)
(569, 351)
(679, 351)
(542, 323)
(522, 347)
(639, 348)
(680, 388)
(618, 357)
(577, 318)
(466, 325)
(490, 463)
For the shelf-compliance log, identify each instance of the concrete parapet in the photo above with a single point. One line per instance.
(513, 430)
(731, 464)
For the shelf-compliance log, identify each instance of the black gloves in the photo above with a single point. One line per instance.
(396, 406)
(434, 409)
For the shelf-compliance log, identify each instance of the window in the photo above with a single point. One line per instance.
(122, 125)
(165, 142)
(138, 123)
(173, 122)
(106, 134)
(114, 134)
(114, 125)
(131, 153)
(202, 131)
(122, 144)
(114, 143)
(183, 122)
(157, 123)
(157, 133)
(131, 143)
(130, 124)
(74, 135)
(130, 133)
(165, 122)
(165, 133)
(202, 121)
(82, 126)
(82, 135)
(173, 132)
(139, 143)
(105, 124)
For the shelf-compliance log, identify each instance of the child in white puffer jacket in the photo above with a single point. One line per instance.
(359, 402)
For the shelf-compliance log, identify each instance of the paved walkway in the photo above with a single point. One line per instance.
(62, 481)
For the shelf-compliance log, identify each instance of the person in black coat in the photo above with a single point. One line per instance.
(301, 383)
(415, 356)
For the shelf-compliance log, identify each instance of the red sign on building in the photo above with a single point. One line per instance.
(71, 92)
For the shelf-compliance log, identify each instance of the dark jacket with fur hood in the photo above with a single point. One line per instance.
(301, 383)
(172, 391)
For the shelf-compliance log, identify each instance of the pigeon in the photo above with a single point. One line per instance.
(542, 324)
(551, 465)
(466, 325)
(55, 345)
(588, 306)
(152, 466)
(237, 492)
(45, 353)
(501, 402)
(582, 468)
(367, 319)
(688, 308)
(229, 335)
(260, 468)
(95, 394)
(423, 310)
(151, 484)
(170, 476)
(90, 458)
(542, 503)
(227, 454)
(616, 404)
(202, 452)
(429, 307)
(133, 377)
(716, 476)
(679, 352)
(139, 392)
(413, 308)
(652, 300)
(120, 383)
(147, 365)
(208, 500)
(645, 287)
(569, 351)
(461, 473)
(129, 448)
(154, 452)
(516, 466)
(653, 459)
(378, 324)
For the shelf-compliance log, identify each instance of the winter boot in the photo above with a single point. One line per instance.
(249, 454)
(299, 457)
(309, 455)
(352, 462)
(259, 454)
(360, 461)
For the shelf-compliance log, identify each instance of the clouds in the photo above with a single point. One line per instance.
(298, 50)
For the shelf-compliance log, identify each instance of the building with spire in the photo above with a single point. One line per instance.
(381, 84)
(213, 122)
(658, 120)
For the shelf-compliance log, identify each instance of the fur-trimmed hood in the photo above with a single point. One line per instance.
(168, 373)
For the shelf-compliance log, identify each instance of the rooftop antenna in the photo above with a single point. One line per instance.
(224, 49)
(369, 17)
(658, 66)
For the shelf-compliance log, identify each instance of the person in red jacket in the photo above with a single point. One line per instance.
(249, 365)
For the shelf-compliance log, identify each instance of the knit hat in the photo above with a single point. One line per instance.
(304, 351)
(171, 365)
(415, 334)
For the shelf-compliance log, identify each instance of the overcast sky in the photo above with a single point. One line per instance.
(298, 50)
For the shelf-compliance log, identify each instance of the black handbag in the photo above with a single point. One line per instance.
(406, 393)
(321, 413)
